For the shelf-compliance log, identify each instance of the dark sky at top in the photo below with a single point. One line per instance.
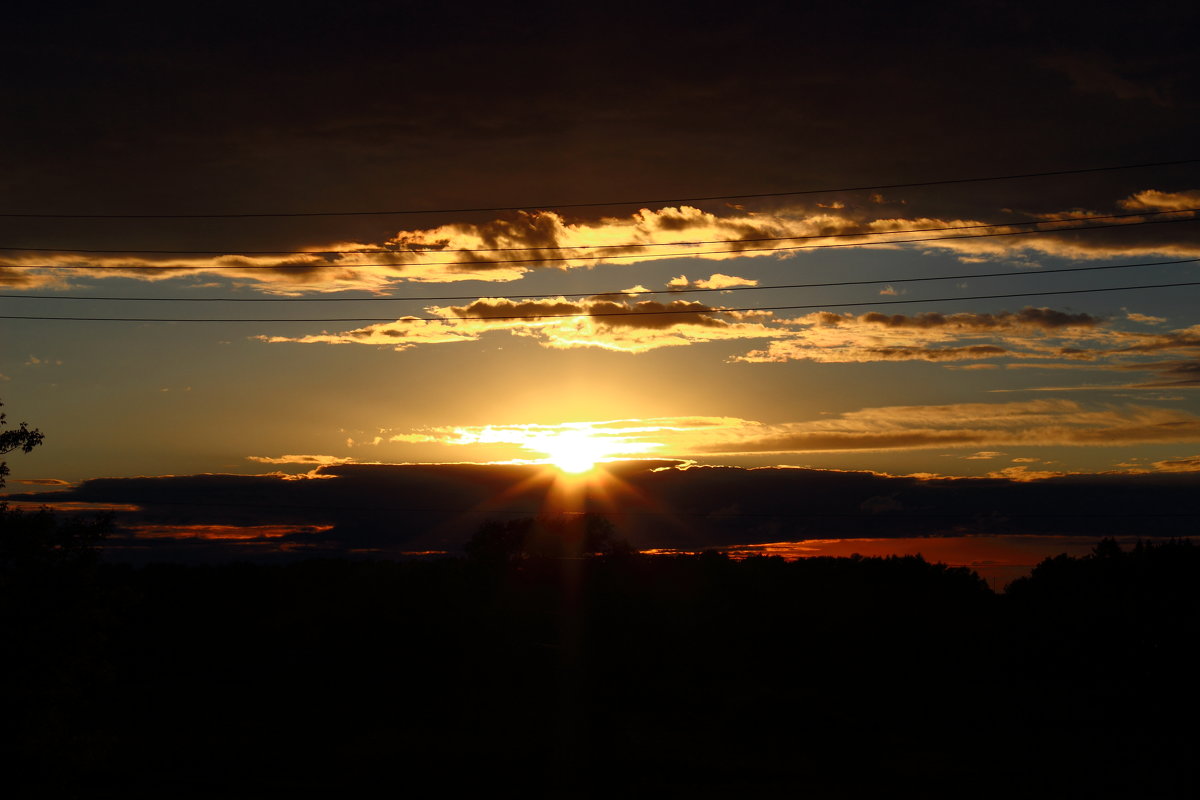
(312, 106)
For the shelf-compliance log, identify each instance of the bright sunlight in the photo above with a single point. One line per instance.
(576, 451)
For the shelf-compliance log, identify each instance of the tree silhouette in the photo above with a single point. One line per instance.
(21, 439)
(40, 538)
(543, 537)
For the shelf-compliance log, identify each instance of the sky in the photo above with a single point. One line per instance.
(557, 162)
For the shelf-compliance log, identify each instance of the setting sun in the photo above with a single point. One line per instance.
(575, 451)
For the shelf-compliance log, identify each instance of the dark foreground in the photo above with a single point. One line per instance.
(609, 676)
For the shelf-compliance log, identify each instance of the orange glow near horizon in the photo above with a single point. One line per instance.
(573, 447)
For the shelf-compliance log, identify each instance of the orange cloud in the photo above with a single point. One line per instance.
(1045, 336)
(839, 338)
(1191, 464)
(715, 281)
(1154, 200)
(612, 438)
(224, 533)
(639, 326)
(317, 460)
(975, 425)
(507, 249)
(1036, 422)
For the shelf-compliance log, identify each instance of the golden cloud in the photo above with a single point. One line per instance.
(1039, 422)
(1031, 336)
(715, 281)
(612, 438)
(1154, 200)
(1191, 464)
(507, 249)
(830, 337)
(1053, 422)
(640, 326)
(317, 460)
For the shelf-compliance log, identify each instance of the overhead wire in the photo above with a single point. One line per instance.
(537, 261)
(536, 248)
(603, 203)
(585, 314)
(598, 293)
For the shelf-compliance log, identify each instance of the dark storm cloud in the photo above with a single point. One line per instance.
(388, 510)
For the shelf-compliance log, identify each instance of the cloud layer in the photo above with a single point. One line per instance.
(1031, 336)
(505, 249)
(1041, 423)
(390, 510)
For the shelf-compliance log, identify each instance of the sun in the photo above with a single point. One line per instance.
(575, 451)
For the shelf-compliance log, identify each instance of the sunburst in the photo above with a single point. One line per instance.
(577, 451)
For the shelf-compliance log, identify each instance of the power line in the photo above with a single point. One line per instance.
(597, 294)
(702, 310)
(537, 261)
(533, 248)
(598, 204)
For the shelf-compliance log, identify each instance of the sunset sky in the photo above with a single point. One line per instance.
(587, 141)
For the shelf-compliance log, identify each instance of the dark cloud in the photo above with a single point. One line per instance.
(934, 353)
(1044, 318)
(389, 510)
(644, 314)
(314, 105)
(1179, 373)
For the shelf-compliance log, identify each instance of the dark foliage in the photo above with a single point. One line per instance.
(21, 438)
(41, 539)
(568, 536)
(617, 675)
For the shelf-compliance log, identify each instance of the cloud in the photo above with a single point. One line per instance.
(1024, 474)
(239, 534)
(1191, 464)
(605, 439)
(1094, 75)
(981, 426)
(1144, 318)
(831, 337)
(302, 459)
(506, 249)
(716, 281)
(1035, 422)
(1154, 200)
(19, 278)
(637, 326)
(1031, 337)
(388, 510)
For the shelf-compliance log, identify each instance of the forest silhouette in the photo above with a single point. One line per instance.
(549, 660)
